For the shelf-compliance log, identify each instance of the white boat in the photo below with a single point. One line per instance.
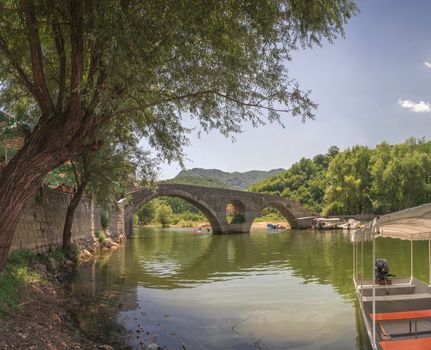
(326, 223)
(350, 224)
(396, 311)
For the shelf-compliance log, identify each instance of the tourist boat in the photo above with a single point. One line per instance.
(276, 226)
(326, 223)
(350, 224)
(396, 311)
(206, 228)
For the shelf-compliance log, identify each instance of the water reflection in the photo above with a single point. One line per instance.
(265, 290)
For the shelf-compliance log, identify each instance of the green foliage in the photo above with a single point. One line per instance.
(61, 175)
(9, 295)
(358, 180)
(222, 179)
(179, 205)
(270, 217)
(348, 181)
(163, 214)
(304, 182)
(104, 220)
(72, 252)
(16, 274)
(141, 64)
(401, 174)
(101, 236)
(183, 213)
(20, 257)
(185, 179)
(235, 218)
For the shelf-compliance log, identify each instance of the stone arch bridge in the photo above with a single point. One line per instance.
(212, 202)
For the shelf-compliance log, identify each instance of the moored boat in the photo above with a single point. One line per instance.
(396, 311)
(350, 224)
(206, 228)
(327, 223)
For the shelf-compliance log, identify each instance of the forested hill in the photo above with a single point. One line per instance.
(358, 180)
(219, 178)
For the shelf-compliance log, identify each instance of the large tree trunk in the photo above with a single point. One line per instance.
(70, 215)
(18, 182)
(51, 144)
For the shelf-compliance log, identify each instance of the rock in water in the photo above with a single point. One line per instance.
(105, 347)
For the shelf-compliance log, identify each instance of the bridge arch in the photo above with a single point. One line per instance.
(238, 213)
(145, 196)
(282, 208)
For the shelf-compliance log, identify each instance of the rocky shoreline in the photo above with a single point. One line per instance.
(44, 318)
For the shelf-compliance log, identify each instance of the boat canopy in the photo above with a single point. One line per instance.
(409, 224)
(327, 219)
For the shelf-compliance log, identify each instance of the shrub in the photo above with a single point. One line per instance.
(101, 236)
(237, 218)
(104, 220)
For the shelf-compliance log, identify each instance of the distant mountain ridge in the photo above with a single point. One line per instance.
(235, 180)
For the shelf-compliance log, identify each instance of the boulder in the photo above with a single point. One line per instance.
(105, 347)
(52, 264)
(85, 254)
(109, 243)
(40, 268)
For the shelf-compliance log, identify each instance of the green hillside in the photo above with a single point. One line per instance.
(304, 181)
(358, 180)
(196, 180)
(235, 180)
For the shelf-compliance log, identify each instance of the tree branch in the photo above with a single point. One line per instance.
(41, 90)
(59, 45)
(14, 62)
(251, 104)
(77, 53)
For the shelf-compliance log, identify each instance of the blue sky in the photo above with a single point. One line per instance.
(369, 87)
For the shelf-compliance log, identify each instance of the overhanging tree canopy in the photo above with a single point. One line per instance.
(73, 66)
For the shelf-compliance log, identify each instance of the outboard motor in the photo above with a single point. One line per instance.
(382, 273)
(382, 269)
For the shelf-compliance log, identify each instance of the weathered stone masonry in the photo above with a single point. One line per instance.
(40, 227)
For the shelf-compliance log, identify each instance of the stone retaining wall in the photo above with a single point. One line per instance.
(40, 227)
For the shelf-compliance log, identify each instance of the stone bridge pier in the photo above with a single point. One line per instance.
(212, 202)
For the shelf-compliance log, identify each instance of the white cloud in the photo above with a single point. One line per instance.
(428, 64)
(417, 107)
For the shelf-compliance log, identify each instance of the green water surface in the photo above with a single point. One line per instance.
(263, 290)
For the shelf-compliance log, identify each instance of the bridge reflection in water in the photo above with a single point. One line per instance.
(291, 289)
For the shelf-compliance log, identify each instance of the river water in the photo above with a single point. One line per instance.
(263, 290)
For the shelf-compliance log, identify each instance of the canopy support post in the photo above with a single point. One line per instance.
(374, 289)
(354, 262)
(429, 260)
(411, 260)
(362, 270)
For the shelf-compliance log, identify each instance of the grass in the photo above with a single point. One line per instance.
(18, 273)
(270, 217)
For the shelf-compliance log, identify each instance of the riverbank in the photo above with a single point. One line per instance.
(36, 309)
(262, 225)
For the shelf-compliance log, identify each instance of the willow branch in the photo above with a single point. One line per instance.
(77, 53)
(59, 45)
(25, 80)
(41, 89)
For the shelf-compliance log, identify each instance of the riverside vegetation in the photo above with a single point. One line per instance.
(34, 311)
(358, 180)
